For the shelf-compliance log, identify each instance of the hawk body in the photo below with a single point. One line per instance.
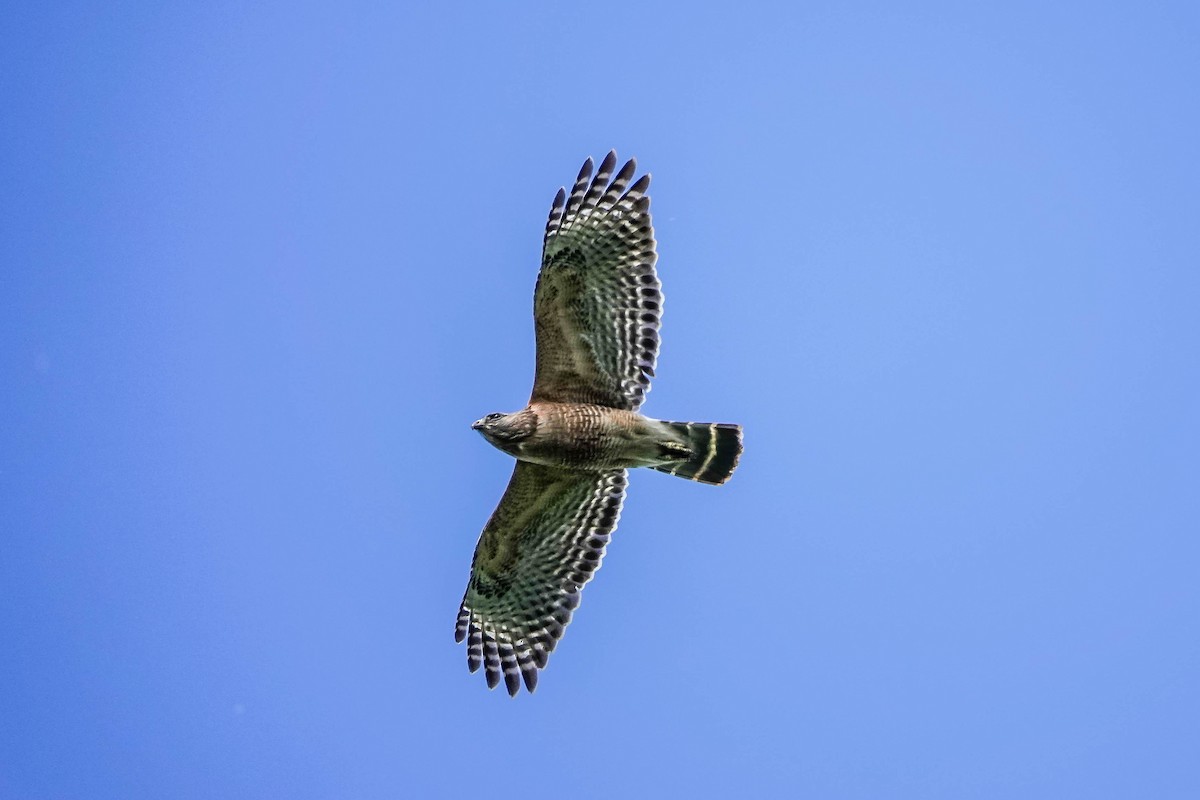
(597, 313)
(590, 437)
(584, 436)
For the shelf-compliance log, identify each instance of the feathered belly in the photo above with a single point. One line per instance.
(583, 436)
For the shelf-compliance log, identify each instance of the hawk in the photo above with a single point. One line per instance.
(596, 311)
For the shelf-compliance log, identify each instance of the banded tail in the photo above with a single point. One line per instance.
(715, 448)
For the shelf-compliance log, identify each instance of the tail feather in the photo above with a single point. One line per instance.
(715, 448)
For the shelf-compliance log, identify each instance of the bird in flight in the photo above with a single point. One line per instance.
(596, 311)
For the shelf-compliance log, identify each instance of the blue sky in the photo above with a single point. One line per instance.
(261, 267)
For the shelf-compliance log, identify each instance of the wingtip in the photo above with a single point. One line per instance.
(586, 170)
(609, 162)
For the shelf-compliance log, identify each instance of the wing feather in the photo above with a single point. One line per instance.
(543, 543)
(598, 302)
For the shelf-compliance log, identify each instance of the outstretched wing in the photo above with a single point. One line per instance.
(542, 544)
(598, 300)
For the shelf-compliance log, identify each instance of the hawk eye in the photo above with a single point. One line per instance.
(493, 417)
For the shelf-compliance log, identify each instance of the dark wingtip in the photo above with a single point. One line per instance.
(586, 170)
(609, 162)
(639, 186)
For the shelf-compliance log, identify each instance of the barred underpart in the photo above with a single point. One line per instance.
(598, 301)
(542, 545)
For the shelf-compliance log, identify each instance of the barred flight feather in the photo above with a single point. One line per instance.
(598, 301)
(529, 569)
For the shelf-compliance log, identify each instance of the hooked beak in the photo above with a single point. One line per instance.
(477, 424)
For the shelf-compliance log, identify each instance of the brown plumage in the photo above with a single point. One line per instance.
(597, 312)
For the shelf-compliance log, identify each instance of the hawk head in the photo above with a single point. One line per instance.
(507, 429)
